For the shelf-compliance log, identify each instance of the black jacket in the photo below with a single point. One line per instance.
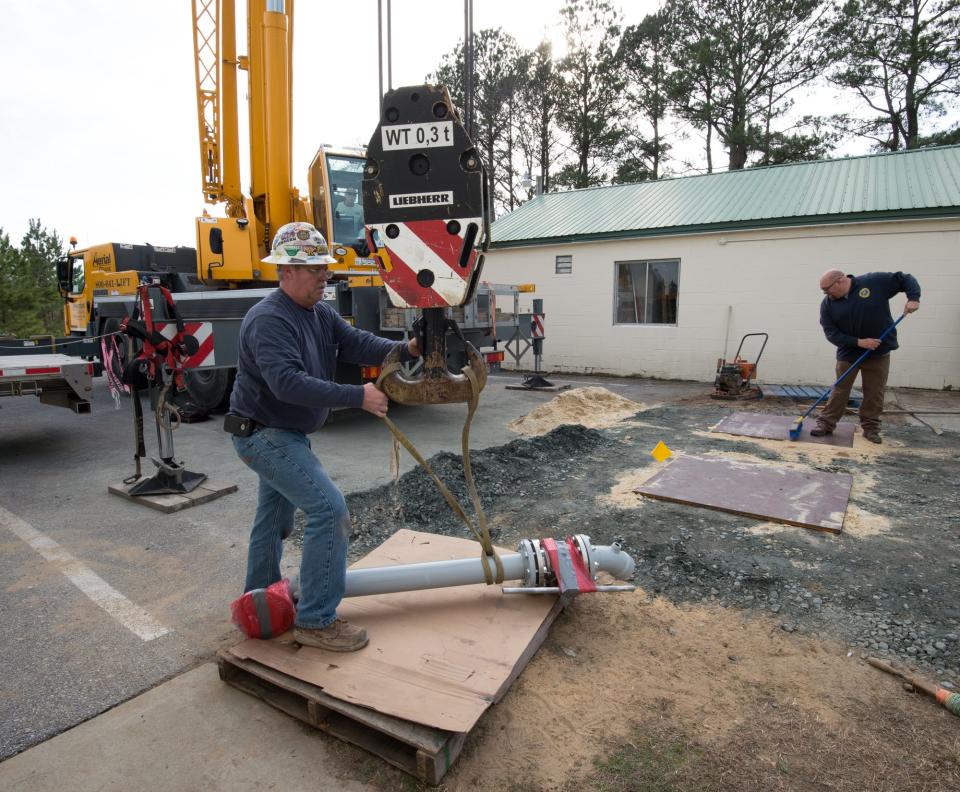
(865, 312)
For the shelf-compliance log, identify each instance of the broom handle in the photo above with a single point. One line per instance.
(946, 698)
(852, 368)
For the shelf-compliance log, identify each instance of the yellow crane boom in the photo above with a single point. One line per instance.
(215, 68)
(230, 248)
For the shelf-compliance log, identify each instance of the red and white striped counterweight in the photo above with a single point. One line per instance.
(428, 263)
(425, 200)
(426, 211)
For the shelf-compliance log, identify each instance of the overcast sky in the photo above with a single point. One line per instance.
(98, 127)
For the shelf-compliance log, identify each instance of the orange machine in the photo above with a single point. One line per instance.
(736, 378)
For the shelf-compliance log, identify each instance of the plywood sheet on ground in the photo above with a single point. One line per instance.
(777, 427)
(438, 657)
(807, 498)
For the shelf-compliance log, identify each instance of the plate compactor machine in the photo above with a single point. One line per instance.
(736, 379)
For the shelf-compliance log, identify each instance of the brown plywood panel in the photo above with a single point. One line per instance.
(807, 498)
(777, 427)
(438, 657)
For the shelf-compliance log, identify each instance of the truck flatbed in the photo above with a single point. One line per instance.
(56, 379)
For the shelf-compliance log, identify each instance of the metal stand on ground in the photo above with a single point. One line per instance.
(536, 381)
(171, 477)
(162, 349)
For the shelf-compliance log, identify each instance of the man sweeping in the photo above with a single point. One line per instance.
(854, 314)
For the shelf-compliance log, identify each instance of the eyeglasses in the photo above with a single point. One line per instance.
(316, 271)
(826, 289)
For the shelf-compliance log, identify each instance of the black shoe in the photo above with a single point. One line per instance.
(820, 432)
(873, 437)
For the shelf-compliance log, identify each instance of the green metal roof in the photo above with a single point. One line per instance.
(919, 183)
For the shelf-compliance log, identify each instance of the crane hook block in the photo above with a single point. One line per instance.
(425, 200)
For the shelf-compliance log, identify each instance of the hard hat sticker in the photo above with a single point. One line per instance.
(417, 136)
(421, 199)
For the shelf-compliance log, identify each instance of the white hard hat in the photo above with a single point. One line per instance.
(299, 243)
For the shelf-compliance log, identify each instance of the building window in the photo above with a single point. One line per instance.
(647, 291)
(564, 265)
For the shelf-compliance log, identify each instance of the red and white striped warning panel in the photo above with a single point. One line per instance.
(427, 249)
(536, 326)
(203, 332)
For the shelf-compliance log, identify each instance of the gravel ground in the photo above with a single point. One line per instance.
(891, 593)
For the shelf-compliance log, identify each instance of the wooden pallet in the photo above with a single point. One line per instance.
(422, 751)
(207, 491)
(414, 695)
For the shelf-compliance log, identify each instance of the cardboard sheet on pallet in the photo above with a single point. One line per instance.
(808, 498)
(777, 427)
(437, 657)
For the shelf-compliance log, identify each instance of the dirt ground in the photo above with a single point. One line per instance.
(738, 663)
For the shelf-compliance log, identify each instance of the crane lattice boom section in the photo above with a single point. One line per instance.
(207, 62)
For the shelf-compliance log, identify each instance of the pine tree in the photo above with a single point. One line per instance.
(902, 58)
(29, 301)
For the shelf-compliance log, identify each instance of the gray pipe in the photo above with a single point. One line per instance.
(466, 571)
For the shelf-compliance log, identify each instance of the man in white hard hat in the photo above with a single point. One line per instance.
(289, 345)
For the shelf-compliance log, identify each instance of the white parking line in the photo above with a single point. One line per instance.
(131, 616)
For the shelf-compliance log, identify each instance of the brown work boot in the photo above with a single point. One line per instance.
(340, 636)
(821, 431)
(873, 437)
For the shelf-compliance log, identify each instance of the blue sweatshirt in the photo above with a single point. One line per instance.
(287, 361)
(865, 312)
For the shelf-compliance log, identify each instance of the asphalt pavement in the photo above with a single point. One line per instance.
(103, 599)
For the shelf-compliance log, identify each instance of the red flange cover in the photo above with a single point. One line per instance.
(265, 613)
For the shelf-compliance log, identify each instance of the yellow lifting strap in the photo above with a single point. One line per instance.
(481, 530)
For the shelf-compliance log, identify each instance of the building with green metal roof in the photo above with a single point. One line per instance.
(661, 278)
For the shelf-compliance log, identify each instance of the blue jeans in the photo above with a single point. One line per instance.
(291, 476)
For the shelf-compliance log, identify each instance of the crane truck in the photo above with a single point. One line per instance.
(216, 283)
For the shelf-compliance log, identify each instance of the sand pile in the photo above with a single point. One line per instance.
(592, 407)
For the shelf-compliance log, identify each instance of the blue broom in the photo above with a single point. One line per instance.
(798, 424)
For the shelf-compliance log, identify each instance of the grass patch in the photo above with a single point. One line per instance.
(646, 761)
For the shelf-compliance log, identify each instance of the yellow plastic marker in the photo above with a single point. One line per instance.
(661, 453)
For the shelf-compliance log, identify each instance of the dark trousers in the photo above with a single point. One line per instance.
(873, 380)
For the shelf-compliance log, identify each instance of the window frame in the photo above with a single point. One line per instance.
(647, 262)
(556, 264)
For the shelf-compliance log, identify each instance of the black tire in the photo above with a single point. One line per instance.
(208, 388)
(189, 411)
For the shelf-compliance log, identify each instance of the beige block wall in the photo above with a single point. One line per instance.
(763, 281)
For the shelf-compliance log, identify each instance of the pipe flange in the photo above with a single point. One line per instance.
(585, 548)
(535, 564)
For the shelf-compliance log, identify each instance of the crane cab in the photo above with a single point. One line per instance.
(335, 177)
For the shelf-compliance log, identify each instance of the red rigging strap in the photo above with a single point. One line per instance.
(158, 352)
(202, 333)
(568, 566)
